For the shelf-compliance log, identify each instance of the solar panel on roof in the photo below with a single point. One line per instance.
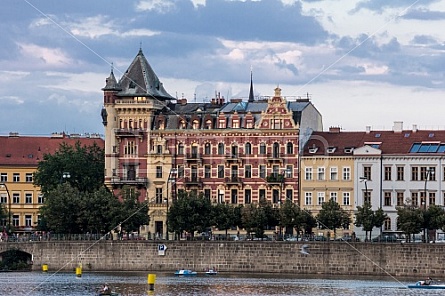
(415, 148)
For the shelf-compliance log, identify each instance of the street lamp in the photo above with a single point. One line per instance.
(9, 206)
(171, 174)
(364, 179)
(66, 175)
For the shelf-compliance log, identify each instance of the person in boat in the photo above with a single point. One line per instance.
(105, 290)
(428, 281)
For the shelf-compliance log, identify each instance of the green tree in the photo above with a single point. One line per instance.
(223, 217)
(368, 219)
(332, 216)
(410, 220)
(133, 213)
(434, 219)
(304, 221)
(85, 165)
(189, 213)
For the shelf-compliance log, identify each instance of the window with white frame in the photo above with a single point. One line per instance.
(28, 198)
(16, 198)
(28, 220)
(289, 170)
(308, 198)
(28, 178)
(40, 199)
(3, 177)
(308, 173)
(333, 196)
(346, 198)
(346, 173)
(15, 177)
(320, 197)
(320, 173)
(334, 173)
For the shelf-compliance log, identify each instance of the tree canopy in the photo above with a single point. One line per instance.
(332, 216)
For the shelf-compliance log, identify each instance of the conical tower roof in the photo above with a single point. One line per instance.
(141, 80)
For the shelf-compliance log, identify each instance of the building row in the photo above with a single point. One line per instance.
(236, 152)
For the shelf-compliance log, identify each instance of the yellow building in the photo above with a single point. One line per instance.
(19, 157)
(327, 172)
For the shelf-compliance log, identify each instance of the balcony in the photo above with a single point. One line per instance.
(193, 182)
(193, 158)
(274, 158)
(275, 179)
(234, 180)
(129, 132)
(233, 158)
(129, 181)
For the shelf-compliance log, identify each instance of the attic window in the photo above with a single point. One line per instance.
(349, 149)
(132, 84)
(377, 135)
(331, 149)
(313, 150)
(431, 135)
(407, 135)
(30, 156)
(375, 145)
(8, 155)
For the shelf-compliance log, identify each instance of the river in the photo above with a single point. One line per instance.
(67, 284)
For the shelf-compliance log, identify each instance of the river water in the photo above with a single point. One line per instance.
(49, 284)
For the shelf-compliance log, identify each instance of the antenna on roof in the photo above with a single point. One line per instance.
(112, 67)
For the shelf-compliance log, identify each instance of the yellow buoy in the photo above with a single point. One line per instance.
(151, 279)
(45, 267)
(79, 271)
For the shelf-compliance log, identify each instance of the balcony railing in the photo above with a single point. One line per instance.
(193, 157)
(193, 181)
(274, 157)
(234, 180)
(129, 181)
(275, 179)
(128, 132)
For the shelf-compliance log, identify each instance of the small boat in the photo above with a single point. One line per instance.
(428, 284)
(109, 294)
(185, 272)
(211, 272)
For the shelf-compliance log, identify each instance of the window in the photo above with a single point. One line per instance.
(346, 173)
(28, 177)
(195, 124)
(289, 194)
(207, 193)
(220, 171)
(367, 173)
(400, 173)
(16, 198)
(234, 196)
(207, 171)
(181, 149)
(320, 197)
(414, 199)
(3, 177)
(308, 173)
(367, 196)
(248, 149)
(263, 171)
(220, 196)
(333, 196)
(248, 171)
(334, 173)
(159, 199)
(432, 198)
(276, 196)
(159, 171)
(221, 149)
(15, 177)
(130, 148)
(207, 149)
(400, 199)
(262, 148)
(387, 224)
(320, 174)
(40, 199)
(387, 198)
(180, 171)
(387, 173)
(262, 194)
(208, 124)
(28, 198)
(235, 123)
(414, 174)
(15, 220)
(346, 198)
(247, 196)
(289, 170)
(308, 198)
(28, 220)
(159, 149)
(3, 198)
(290, 148)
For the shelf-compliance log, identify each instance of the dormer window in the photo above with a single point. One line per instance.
(249, 123)
(195, 124)
(331, 149)
(313, 150)
(182, 124)
(349, 149)
(221, 123)
(208, 124)
(235, 123)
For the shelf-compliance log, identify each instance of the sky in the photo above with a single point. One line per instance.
(361, 62)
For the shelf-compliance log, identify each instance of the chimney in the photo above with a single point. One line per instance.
(368, 129)
(398, 126)
(334, 129)
(414, 128)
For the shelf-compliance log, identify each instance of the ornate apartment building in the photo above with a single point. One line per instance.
(19, 158)
(233, 152)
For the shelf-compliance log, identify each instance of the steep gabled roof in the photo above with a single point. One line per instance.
(141, 80)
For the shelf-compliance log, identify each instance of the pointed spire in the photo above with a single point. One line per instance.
(251, 97)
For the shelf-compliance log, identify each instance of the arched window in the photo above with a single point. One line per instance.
(181, 149)
(290, 148)
(248, 149)
(221, 149)
(276, 150)
(196, 124)
(207, 149)
(263, 148)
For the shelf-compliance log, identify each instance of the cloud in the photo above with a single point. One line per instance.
(49, 56)
(424, 14)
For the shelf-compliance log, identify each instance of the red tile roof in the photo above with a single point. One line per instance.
(28, 151)
(390, 142)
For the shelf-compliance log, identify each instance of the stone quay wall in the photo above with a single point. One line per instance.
(328, 258)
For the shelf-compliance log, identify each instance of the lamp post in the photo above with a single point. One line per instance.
(9, 206)
(364, 179)
(171, 174)
(66, 175)
(427, 176)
